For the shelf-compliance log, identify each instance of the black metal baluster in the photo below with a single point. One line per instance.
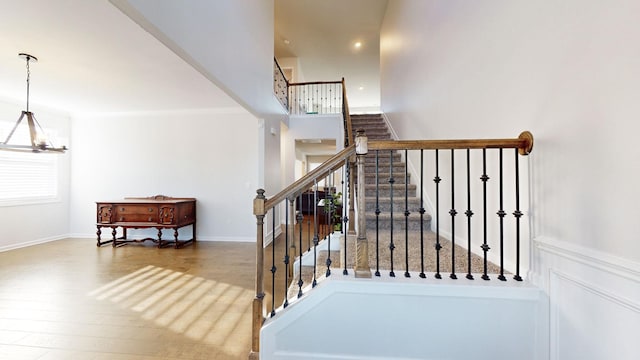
(377, 215)
(345, 197)
(406, 214)
(453, 214)
(469, 214)
(501, 215)
(273, 261)
(300, 219)
(286, 254)
(391, 181)
(329, 200)
(315, 233)
(343, 219)
(518, 215)
(437, 180)
(308, 234)
(422, 211)
(485, 247)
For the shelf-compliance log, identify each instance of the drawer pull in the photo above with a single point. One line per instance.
(121, 209)
(150, 209)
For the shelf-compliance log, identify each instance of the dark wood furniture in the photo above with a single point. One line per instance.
(160, 212)
(305, 202)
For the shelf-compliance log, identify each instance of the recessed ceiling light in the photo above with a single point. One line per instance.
(286, 41)
(357, 45)
(361, 88)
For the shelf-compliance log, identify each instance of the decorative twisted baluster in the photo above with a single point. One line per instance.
(485, 247)
(300, 218)
(437, 180)
(377, 273)
(501, 214)
(391, 181)
(453, 214)
(273, 261)
(469, 214)
(406, 215)
(422, 211)
(518, 214)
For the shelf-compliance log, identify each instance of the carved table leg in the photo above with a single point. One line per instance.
(159, 237)
(175, 236)
(113, 236)
(98, 233)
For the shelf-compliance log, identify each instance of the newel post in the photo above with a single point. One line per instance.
(258, 318)
(362, 268)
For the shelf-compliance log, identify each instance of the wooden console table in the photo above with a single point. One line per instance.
(160, 212)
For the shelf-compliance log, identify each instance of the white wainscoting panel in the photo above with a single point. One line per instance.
(594, 302)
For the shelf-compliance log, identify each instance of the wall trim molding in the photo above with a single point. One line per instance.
(594, 258)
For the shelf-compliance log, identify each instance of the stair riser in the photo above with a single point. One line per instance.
(398, 206)
(384, 179)
(383, 162)
(379, 136)
(398, 224)
(386, 192)
(370, 169)
(372, 129)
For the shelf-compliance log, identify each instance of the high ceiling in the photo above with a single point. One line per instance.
(94, 59)
(322, 34)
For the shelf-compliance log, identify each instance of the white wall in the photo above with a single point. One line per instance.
(452, 69)
(310, 127)
(294, 64)
(408, 319)
(230, 42)
(25, 225)
(211, 155)
(566, 72)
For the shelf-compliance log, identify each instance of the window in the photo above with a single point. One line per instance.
(26, 177)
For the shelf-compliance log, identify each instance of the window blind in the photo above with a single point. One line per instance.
(27, 177)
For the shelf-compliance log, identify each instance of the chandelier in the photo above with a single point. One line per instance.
(39, 140)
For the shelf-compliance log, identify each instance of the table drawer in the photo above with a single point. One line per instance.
(135, 213)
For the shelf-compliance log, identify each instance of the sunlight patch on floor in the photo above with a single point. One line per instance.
(198, 308)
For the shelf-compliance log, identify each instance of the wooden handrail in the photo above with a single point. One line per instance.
(315, 83)
(524, 144)
(347, 115)
(293, 190)
(280, 69)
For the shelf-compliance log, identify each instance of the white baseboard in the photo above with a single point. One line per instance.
(198, 238)
(31, 243)
(269, 236)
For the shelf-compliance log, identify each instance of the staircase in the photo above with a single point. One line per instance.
(376, 129)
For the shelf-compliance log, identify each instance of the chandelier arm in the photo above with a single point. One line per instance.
(14, 127)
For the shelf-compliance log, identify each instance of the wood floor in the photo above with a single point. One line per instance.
(69, 299)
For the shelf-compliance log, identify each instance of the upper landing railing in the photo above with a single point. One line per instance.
(313, 98)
